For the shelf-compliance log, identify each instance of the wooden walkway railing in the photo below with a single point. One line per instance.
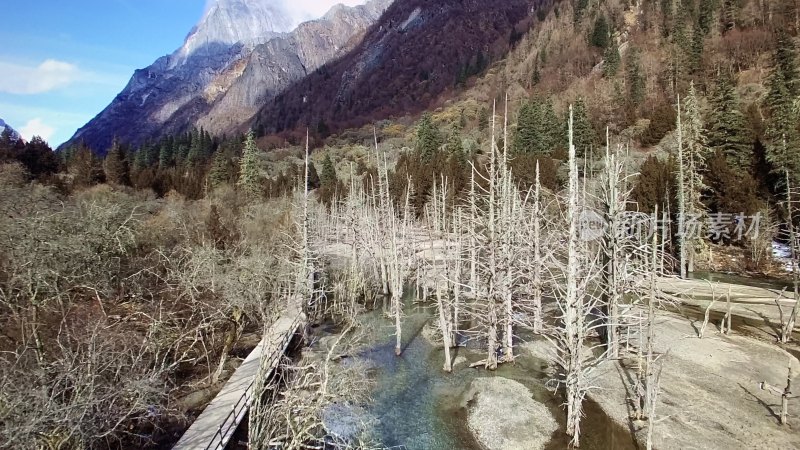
(215, 426)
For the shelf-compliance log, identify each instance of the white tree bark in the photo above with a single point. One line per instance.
(682, 211)
(786, 334)
(573, 308)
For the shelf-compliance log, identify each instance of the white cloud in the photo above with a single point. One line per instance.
(47, 76)
(35, 127)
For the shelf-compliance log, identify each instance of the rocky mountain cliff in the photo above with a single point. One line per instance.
(234, 61)
(418, 51)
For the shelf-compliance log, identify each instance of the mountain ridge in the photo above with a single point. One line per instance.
(219, 85)
(384, 74)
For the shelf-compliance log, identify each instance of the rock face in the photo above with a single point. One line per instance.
(418, 51)
(230, 22)
(234, 61)
(709, 394)
(504, 416)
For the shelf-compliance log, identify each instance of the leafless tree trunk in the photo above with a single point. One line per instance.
(574, 312)
(651, 380)
(613, 203)
(446, 327)
(682, 210)
(702, 330)
(725, 326)
(538, 263)
(491, 357)
(785, 393)
(786, 334)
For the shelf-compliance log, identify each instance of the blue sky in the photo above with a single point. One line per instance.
(62, 62)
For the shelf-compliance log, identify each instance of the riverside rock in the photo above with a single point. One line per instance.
(490, 402)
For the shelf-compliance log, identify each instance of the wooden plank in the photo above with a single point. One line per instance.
(215, 426)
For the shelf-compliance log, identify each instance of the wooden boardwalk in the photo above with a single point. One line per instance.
(215, 426)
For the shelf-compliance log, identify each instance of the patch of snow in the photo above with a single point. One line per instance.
(783, 254)
(414, 16)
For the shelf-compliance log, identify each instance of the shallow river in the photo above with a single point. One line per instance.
(418, 406)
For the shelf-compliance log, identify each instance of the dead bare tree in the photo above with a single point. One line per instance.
(575, 302)
(725, 323)
(538, 261)
(794, 244)
(682, 201)
(652, 380)
(622, 244)
(785, 394)
(496, 225)
(707, 315)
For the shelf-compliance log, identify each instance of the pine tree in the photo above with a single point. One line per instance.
(727, 128)
(580, 8)
(553, 136)
(706, 15)
(428, 138)
(328, 176)
(539, 130)
(249, 172)
(313, 177)
(221, 170)
(483, 119)
(782, 137)
(166, 157)
(85, 168)
(8, 139)
(696, 52)
(151, 154)
(783, 143)
(611, 61)
(536, 75)
(785, 61)
(329, 186)
(635, 79)
(194, 156)
(206, 144)
(601, 34)
(454, 145)
(730, 11)
(584, 136)
(115, 166)
(526, 136)
(181, 154)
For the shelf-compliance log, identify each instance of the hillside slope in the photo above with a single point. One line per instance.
(418, 51)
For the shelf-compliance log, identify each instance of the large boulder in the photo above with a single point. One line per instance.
(504, 416)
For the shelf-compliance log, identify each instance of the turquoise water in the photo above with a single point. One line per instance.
(420, 407)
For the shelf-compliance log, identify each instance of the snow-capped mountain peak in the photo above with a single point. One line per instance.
(230, 22)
